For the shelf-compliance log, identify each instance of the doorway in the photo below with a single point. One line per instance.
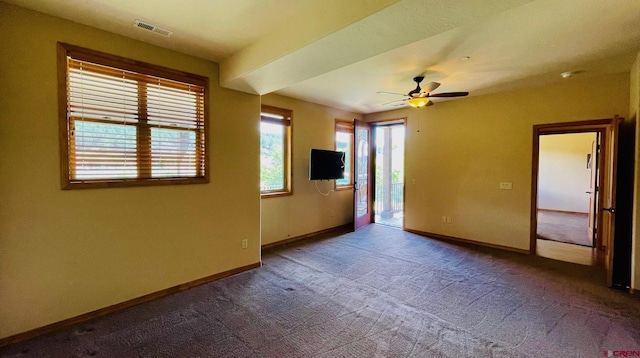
(389, 173)
(606, 157)
(567, 182)
(553, 163)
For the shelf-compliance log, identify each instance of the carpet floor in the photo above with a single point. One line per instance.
(378, 292)
(571, 228)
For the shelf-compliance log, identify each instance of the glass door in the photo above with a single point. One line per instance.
(389, 174)
(362, 199)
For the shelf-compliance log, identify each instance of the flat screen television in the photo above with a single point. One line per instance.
(326, 165)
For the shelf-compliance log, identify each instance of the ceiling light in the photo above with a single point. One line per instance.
(566, 74)
(418, 102)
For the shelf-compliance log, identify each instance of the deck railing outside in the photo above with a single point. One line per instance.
(392, 207)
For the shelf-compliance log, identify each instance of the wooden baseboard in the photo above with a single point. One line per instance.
(467, 241)
(337, 229)
(121, 306)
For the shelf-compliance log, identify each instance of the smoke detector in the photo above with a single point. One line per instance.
(153, 28)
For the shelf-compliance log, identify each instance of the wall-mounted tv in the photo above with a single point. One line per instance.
(326, 165)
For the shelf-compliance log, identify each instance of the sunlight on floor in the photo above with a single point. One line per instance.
(567, 252)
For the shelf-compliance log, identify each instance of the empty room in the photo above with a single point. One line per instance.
(319, 178)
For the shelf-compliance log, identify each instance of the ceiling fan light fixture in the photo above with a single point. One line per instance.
(418, 102)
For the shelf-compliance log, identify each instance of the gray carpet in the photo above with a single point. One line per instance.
(379, 292)
(571, 228)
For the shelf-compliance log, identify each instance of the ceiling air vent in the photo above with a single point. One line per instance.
(152, 28)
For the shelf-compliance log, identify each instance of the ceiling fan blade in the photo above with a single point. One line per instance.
(397, 100)
(400, 94)
(432, 85)
(449, 94)
(429, 87)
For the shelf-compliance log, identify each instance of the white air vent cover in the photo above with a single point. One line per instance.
(152, 28)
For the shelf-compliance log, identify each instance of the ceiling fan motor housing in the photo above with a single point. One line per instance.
(417, 80)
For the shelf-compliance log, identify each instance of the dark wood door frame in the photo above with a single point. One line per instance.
(599, 126)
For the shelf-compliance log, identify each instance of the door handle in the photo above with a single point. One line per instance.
(611, 210)
(588, 192)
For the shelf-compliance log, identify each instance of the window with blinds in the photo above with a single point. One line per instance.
(128, 123)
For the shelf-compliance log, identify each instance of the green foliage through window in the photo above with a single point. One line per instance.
(272, 147)
(275, 149)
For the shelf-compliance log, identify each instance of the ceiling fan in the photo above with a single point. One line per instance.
(419, 97)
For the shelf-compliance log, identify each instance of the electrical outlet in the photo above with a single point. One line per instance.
(448, 219)
(245, 243)
(444, 219)
(506, 186)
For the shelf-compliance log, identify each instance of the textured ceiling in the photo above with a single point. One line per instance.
(341, 53)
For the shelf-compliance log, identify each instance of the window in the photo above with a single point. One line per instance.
(125, 123)
(344, 143)
(275, 151)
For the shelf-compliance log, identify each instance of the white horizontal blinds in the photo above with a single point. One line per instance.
(175, 116)
(276, 118)
(124, 124)
(102, 107)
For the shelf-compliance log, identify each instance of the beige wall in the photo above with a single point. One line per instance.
(634, 110)
(65, 253)
(563, 176)
(458, 151)
(306, 211)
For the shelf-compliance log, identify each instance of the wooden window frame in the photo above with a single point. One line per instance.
(345, 127)
(66, 51)
(287, 122)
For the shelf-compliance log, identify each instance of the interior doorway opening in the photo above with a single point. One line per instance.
(567, 188)
(601, 157)
(389, 174)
